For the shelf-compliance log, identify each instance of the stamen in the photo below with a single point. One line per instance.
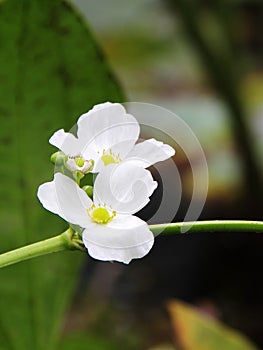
(110, 158)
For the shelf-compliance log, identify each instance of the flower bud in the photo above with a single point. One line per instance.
(79, 164)
(58, 158)
(89, 190)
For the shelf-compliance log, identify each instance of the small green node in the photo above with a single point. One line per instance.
(58, 158)
(89, 190)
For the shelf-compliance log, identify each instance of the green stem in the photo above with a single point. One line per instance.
(70, 240)
(64, 241)
(208, 226)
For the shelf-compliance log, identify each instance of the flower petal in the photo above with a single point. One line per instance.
(124, 238)
(150, 152)
(47, 195)
(64, 197)
(108, 127)
(125, 187)
(66, 142)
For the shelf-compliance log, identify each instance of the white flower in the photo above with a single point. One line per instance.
(107, 135)
(79, 164)
(111, 232)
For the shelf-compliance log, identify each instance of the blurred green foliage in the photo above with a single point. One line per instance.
(51, 71)
(88, 341)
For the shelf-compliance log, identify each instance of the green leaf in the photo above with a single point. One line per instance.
(197, 331)
(88, 341)
(51, 71)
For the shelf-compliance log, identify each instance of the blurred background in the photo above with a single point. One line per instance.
(203, 61)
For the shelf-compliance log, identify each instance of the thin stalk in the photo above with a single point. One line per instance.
(208, 226)
(70, 240)
(64, 241)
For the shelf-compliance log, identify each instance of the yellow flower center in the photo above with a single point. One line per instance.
(100, 215)
(79, 161)
(110, 158)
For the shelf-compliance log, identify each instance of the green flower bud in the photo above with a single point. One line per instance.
(78, 164)
(89, 190)
(58, 158)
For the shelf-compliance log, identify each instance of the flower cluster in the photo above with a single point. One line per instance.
(105, 145)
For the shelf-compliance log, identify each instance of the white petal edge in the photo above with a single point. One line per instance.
(149, 152)
(115, 108)
(108, 126)
(124, 187)
(47, 196)
(66, 142)
(123, 239)
(64, 197)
